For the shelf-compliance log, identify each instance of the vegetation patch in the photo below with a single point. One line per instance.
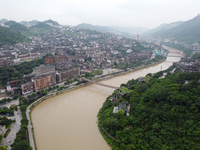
(196, 56)
(1, 137)
(8, 127)
(3, 147)
(125, 89)
(34, 138)
(116, 91)
(16, 72)
(7, 132)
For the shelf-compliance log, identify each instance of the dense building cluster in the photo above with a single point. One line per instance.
(189, 65)
(72, 43)
(70, 52)
(45, 76)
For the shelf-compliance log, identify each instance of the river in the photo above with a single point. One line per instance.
(69, 121)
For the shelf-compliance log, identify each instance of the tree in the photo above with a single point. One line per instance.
(120, 112)
(50, 88)
(15, 96)
(21, 145)
(1, 137)
(9, 93)
(38, 92)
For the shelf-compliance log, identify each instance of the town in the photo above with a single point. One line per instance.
(52, 61)
(68, 53)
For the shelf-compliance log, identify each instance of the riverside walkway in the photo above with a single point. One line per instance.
(101, 84)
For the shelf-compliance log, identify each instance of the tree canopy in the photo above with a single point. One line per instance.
(17, 71)
(164, 114)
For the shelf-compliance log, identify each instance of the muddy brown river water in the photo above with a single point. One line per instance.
(69, 121)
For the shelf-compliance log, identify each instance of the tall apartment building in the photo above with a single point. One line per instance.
(70, 73)
(44, 81)
(137, 37)
(43, 69)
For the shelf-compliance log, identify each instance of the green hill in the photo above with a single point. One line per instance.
(16, 26)
(162, 28)
(33, 21)
(188, 31)
(92, 27)
(150, 32)
(42, 26)
(124, 31)
(10, 37)
(164, 115)
(3, 20)
(52, 22)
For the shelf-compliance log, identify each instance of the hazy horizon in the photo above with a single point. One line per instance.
(122, 13)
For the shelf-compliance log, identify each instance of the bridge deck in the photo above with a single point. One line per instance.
(174, 56)
(176, 53)
(101, 84)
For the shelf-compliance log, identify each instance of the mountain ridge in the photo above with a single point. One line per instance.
(113, 29)
(188, 31)
(181, 31)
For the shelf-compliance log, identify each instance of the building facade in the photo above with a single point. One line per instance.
(68, 74)
(27, 88)
(44, 81)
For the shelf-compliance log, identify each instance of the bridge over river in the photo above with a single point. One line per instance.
(180, 54)
(101, 84)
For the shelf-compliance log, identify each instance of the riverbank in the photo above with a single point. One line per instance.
(110, 76)
(101, 78)
(105, 77)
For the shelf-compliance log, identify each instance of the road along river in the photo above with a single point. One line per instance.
(69, 121)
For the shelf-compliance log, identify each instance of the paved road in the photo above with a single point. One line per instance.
(15, 127)
(14, 102)
(31, 139)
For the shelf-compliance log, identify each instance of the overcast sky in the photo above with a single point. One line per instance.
(125, 13)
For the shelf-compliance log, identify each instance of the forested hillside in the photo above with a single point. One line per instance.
(16, 26)
(16, 32)
(164, 114)
(188, 31)
(41, 28)
(10, 37)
